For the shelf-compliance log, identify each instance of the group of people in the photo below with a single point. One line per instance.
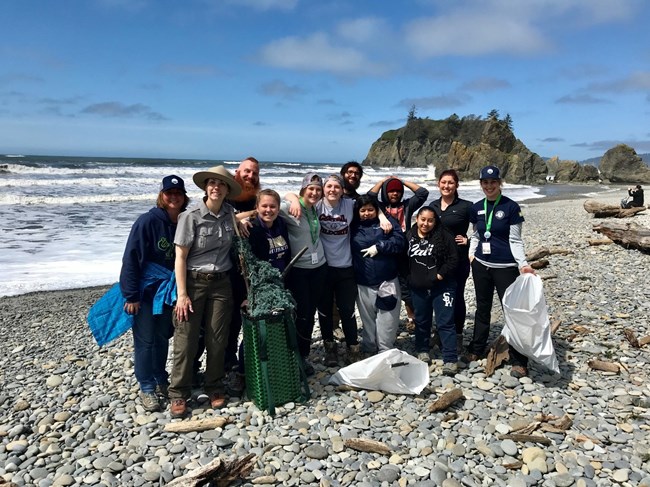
(351, 252)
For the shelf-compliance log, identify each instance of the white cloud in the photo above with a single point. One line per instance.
(280, 88)
(317, 53)
(471, 34)
(363, 30)
(639, 81)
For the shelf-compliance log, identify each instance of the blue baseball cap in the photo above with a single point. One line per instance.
(490, 172)
(172, 182)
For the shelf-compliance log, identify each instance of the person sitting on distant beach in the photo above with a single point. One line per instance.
(635, 199)
(497, 257)
(151, 241)
(203, 241)
(306, 278)
(390, 195)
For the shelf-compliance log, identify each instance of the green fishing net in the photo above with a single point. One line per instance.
(266, 292)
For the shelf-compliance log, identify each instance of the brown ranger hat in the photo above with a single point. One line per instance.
(218, 172)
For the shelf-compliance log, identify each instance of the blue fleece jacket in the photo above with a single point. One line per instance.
(151, 241)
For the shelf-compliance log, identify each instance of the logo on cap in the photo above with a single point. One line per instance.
(490, 171)
(174, 181)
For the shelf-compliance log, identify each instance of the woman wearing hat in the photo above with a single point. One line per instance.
(203, 240)
(151, 241)
(307, 277)
(497, 257)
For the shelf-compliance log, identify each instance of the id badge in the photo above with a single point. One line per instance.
(314, 258)
(485, 248)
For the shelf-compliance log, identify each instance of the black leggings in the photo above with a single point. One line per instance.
(342, 285)
(306, 287)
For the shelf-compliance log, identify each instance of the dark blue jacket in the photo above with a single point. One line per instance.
(372, 271)
(151, 240)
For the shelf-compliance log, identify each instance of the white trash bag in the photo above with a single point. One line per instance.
(392, 371)
(527, 327)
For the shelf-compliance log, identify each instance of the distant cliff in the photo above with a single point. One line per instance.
(621, 164)
(465, 144)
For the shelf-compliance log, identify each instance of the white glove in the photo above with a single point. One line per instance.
(370, 251)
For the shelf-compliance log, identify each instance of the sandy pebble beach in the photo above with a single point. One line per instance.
(69, 413)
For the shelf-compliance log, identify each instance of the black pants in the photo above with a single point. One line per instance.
(342, 285)
(486, 280)
(460, 308)
(306, 287)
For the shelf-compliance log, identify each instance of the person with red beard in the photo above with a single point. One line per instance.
(248, 177)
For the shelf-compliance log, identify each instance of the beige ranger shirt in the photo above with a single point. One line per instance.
(208, 236)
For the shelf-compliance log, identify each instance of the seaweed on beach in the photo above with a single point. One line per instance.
(266, 291)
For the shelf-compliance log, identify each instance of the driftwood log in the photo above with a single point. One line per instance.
(196, 425)
(629, 235)
(497, 354)
(539, 264)
(596, 364)
(447, 399)
(603, 210)
(634, 341)
(599, 241)
(368, 446)
(217, 473)
(542, 440)
(539, 252)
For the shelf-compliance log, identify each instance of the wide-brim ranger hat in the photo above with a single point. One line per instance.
(218, 172)
(490, 172)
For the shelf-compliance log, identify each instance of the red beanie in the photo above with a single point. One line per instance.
(394, 185)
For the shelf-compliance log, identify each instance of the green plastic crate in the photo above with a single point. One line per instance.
(274, 374)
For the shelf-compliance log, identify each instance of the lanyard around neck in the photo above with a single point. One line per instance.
(488, 218)
(314, 226)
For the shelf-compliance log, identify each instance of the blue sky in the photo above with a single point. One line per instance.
(316, 81)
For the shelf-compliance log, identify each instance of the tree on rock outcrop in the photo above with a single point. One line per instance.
(493, 114)
(508, 121)
(411, 115)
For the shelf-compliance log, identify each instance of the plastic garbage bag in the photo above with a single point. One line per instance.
(392, 371)
(527, 327)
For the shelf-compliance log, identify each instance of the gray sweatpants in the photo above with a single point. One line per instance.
(379, 326)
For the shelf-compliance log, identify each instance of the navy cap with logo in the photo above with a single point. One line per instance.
(489, 172)
(172, 182)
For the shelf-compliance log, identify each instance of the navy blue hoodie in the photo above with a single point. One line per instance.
(151, 240)
(372, 271)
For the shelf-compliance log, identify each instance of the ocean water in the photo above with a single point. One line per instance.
(65, 220)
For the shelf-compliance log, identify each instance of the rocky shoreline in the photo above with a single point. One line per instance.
(70, 415)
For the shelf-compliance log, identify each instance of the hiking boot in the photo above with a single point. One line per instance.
(424, 356)
(150, 401)
(178, 408)
(162, 390)
(237, 384)
(518, 371)
(354, 354)
(469, 357)
(450, 369)
(331, 354)
(217, 400)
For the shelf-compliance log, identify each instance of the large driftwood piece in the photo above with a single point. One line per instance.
(196, 425)
(626, 234)
(447, 399)
(217, 473)
(542, 440)
(498, 353)
(368, 446)
(603, 210)
(600, 241)
(604, 366)
(539, 264)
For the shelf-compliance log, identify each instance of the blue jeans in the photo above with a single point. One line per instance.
(150, 345)
(439, 299)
